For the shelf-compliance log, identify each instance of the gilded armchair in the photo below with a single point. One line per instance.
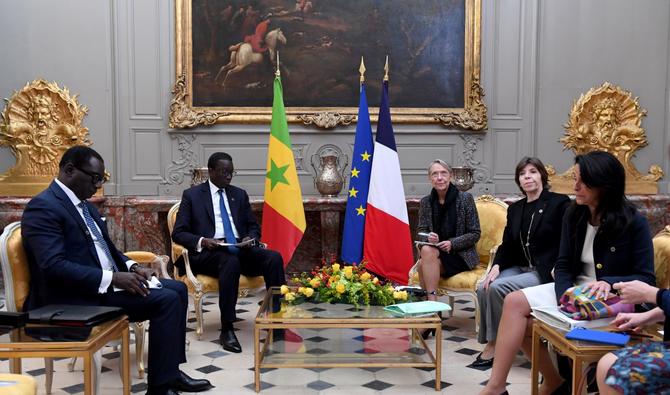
(200, 285)
(492, 214)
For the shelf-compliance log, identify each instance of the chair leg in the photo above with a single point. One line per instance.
(477, 312)
(49, 373)
(451, 303)
(197, 302)
(97, 370)
(139, 328)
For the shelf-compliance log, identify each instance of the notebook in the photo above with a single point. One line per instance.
(594, 336)
(417, 309)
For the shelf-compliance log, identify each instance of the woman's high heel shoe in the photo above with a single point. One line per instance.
(427, 332)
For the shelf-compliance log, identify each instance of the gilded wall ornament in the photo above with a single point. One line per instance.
(326, 120)
(182, 115)
(608, 118)
(38, 124)
(474, 116)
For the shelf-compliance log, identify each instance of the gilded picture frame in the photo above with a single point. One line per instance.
(226, 52)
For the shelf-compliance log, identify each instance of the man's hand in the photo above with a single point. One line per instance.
(636, 291)
(134, 283)
(145, 272)
(247, 245)
(209, 244)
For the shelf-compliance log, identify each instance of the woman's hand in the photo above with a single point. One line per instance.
(433, 238)
(444, 245)
(600, 289)
(635, 321)
(491, 276)
(636, 291)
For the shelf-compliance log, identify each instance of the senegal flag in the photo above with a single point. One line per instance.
(283, 213)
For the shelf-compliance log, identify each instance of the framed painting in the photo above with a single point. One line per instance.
(227, 51)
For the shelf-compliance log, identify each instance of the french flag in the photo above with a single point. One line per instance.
(388, 243)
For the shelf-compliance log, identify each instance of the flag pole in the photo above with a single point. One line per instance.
(361, 70)
(386, 69)
(277, 72)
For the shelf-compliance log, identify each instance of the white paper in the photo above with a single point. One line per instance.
(250, 242)
(553, 316)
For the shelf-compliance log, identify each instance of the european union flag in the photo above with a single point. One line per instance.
(359, 183)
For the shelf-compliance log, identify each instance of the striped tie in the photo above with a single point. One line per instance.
(94, 229)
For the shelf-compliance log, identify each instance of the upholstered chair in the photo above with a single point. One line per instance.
(662, 257)
(492, 214)
(200, 285)
(16, 275)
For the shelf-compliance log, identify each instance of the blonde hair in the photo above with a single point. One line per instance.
(441, 163)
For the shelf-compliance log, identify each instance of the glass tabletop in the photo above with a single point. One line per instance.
(275, 308)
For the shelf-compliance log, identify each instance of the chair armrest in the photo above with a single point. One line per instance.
(187, 266)
(492, 257)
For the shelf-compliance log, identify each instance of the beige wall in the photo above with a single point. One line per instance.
(537, 57)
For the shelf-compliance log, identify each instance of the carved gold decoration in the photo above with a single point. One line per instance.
(326, 120)
(608, 118)
(38, 124)
(182, 115)
(474, 116)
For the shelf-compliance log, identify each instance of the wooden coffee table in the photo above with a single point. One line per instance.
(365, 337)
(37, 341)
(580, 352)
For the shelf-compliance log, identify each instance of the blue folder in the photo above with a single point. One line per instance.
(602, 337)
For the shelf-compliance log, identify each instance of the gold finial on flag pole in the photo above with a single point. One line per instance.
(386, 69)
(277, 72)
(361, 70)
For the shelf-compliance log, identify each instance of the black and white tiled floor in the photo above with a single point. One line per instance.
(233, 373)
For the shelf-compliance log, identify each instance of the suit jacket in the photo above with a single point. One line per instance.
(195, 218)
(545, 234)
(64, 265)
(627, 256)
(467, 226)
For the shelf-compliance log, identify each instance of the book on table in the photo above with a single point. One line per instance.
(553, 316)
(417, 309)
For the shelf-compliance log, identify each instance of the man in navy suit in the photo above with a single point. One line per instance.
(200, 227)
(73, 261)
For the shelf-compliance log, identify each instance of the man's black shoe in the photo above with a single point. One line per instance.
(229, 341)
(161, 390)
(185, 383)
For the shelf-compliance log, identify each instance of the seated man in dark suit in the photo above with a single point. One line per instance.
(200, 226)
(73, 261)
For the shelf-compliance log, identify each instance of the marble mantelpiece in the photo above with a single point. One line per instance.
(140, 223)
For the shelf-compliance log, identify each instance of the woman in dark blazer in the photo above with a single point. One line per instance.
(604, 240)
(528, 251)
(449, 217)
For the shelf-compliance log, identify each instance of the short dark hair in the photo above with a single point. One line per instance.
(79, 156)
(217, 156)
(537, 163)
(602, 171)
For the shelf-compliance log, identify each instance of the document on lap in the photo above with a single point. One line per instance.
(246, 243)
(424, 243)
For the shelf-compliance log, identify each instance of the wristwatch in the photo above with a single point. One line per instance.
(133, 268)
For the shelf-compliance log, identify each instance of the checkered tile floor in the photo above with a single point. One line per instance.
(233, 373)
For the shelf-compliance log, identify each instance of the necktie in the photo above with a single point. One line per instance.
(227, 226)
(94, 229)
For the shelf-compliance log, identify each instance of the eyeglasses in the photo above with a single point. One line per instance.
(434, 175)
(227, 173)
(95, 177)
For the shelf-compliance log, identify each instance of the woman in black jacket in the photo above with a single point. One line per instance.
(528, 251)
(604, 240)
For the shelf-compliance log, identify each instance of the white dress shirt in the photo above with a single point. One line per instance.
(218, 221)
(107, 270)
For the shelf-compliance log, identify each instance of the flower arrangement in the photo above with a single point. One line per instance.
(342, 284)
